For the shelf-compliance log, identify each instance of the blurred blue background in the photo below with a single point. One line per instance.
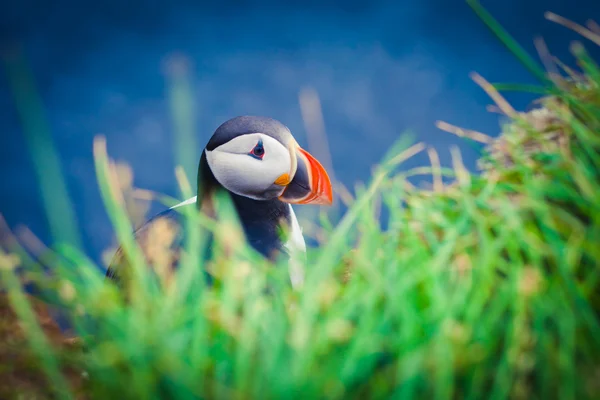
(379, 67)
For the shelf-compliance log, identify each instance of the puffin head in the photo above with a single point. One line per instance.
(258, 158)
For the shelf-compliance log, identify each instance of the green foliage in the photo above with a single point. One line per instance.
(487, 287)
(53, 190)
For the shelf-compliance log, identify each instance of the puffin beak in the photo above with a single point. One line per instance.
(310, 184)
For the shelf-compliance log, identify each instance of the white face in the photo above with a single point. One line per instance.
(242, 168)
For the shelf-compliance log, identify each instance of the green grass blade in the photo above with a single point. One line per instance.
(509, 42)
(53, 189)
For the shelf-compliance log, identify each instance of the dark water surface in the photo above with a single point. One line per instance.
(380, 68)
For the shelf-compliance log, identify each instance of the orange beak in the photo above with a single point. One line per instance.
(311, 184)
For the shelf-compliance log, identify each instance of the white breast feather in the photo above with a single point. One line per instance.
(295, 245)
(186, 202)
(297, 250)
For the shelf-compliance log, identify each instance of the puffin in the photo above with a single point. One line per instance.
(257, 162)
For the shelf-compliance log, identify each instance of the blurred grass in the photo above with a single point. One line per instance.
(53, 189)
(184, 111)
(484, 287)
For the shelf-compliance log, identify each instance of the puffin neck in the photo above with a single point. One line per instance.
(207, 183)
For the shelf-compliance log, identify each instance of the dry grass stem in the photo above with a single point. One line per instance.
(436, 166)
(467, 133)
(494, 94)
(582, 30)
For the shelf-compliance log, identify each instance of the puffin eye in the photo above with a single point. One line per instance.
(258, 151)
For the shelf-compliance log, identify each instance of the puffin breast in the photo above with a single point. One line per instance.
(296, 248)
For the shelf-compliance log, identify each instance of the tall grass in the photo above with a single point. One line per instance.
(486, 287)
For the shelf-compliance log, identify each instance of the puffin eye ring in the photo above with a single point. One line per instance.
(258, 151)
